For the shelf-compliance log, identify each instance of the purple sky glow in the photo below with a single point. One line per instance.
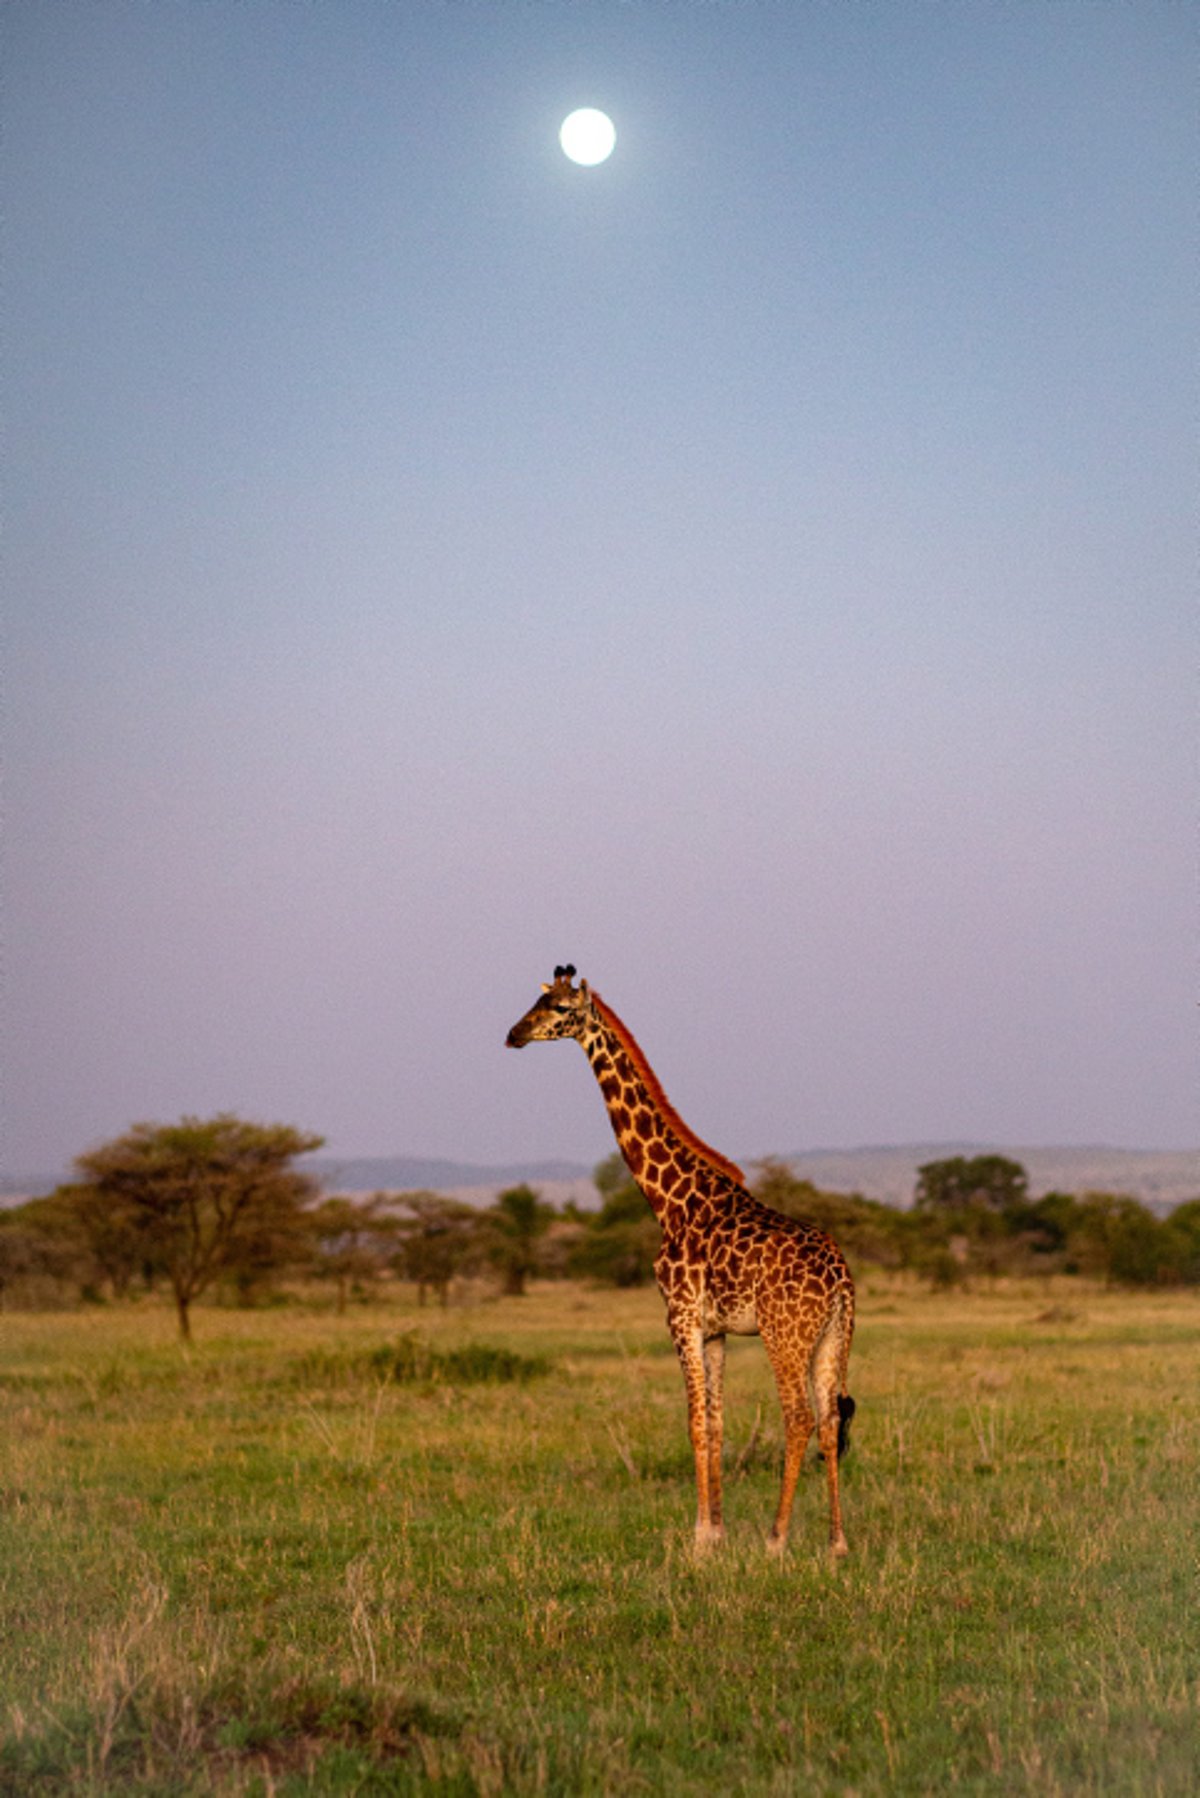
(760, 570)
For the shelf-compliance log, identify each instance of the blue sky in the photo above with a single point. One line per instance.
(759, 569)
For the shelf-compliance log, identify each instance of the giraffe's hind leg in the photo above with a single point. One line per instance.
(833, 1417)
(790, 1365)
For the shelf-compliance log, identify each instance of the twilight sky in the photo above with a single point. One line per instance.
(759, 569)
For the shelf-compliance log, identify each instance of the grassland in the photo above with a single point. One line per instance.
(277, 1563)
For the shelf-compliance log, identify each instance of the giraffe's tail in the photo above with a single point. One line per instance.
(837, 1337)
(846, 1410)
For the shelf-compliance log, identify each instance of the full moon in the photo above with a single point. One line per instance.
(587, 136)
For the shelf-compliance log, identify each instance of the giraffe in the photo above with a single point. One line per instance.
(728, 1263)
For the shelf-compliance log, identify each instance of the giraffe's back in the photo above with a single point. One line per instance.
(749, 1268)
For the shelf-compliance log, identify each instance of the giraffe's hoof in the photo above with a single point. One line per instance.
(708, 1536)
(776, 1545)
(839, 1548)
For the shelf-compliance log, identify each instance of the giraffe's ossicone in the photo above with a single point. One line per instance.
(728, 1263)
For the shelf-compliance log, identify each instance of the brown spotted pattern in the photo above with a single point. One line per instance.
(727, 1263)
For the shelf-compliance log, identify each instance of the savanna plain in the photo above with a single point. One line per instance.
(408, 1549)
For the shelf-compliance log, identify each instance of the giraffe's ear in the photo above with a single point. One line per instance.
(545, 988)
(583, 988)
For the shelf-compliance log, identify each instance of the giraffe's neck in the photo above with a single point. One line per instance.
(669, 1162)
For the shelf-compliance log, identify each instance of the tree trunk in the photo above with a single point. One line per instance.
(185, 1322)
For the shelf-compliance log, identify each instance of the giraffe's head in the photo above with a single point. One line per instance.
(562, 1010)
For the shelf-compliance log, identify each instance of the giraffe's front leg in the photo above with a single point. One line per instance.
(714, 1387)
(689, 1346)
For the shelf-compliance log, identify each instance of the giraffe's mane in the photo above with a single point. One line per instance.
(653, 1086)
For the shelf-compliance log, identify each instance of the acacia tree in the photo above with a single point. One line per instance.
(43, 1248)
(437, 1240)
(982, 1184)
(352, 1240)
(619, 1242)
(512, 1229)
(200, 1192)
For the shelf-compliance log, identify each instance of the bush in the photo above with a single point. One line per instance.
(409, 1360)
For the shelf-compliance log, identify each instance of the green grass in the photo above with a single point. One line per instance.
(374, 1554)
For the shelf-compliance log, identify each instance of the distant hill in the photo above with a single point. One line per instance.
(1159, 1178)
(407, 1173)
